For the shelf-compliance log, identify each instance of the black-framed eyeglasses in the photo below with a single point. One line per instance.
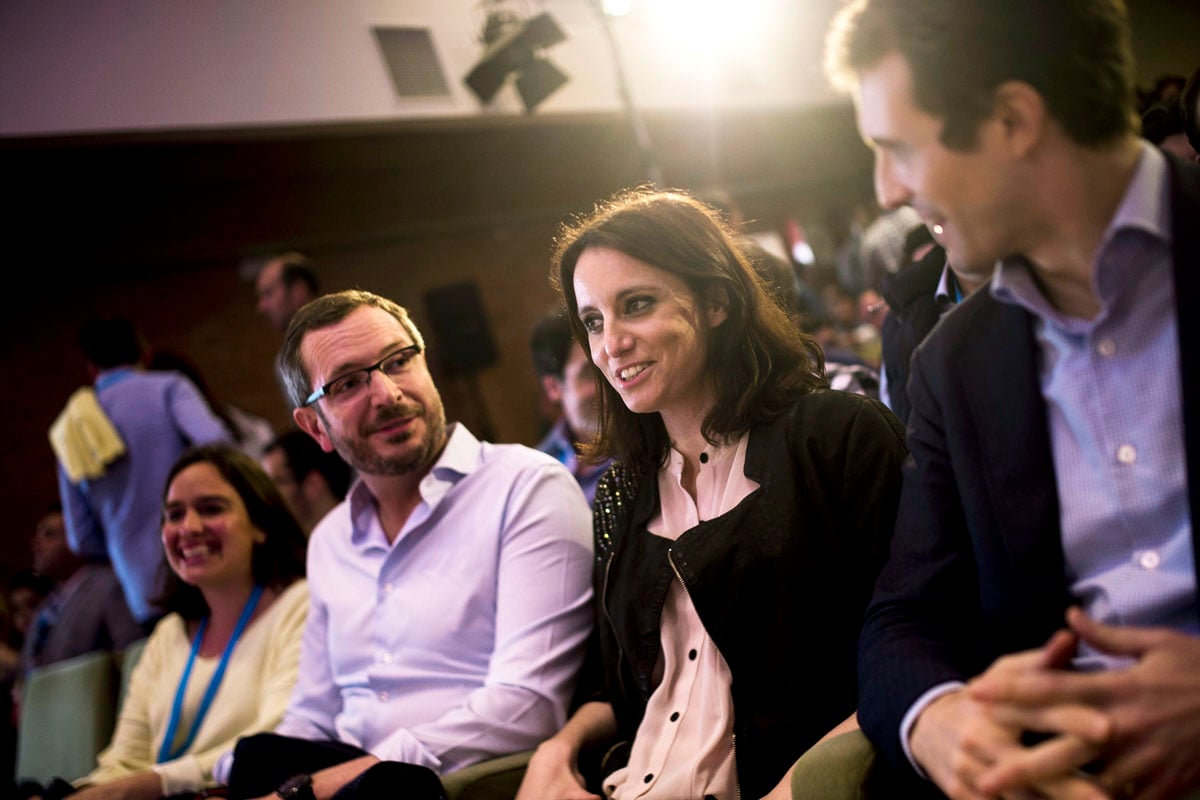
(350, 385)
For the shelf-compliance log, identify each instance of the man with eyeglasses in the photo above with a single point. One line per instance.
(450, 592)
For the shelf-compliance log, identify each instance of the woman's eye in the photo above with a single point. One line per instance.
(173, 514)
(636, 304)
(592, 323)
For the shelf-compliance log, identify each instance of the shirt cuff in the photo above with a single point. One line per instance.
(183, 775)
(222, 768)
(401, 745)
(914, 711)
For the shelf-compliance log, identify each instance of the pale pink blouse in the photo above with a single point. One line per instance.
(684, 745)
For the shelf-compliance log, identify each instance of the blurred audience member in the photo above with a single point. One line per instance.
(311, 480)
(284, 284)
(924, 291)
(26, 591)
(86, 610)
(783, 286)
(1162, 125)
(115, 442)
(569, 381)
(1191, 112)
(1166, 89)
(881, 248)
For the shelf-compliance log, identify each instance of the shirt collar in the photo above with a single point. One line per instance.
(460, 457)
(1145, 207)
(111, 377)
(947, 293)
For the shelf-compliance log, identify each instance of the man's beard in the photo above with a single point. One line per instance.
(360, 454)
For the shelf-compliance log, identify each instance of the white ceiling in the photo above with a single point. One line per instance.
(131, 65)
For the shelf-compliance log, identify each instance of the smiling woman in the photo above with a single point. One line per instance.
(223, 663)
(745, 519)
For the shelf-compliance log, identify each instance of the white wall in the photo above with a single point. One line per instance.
(70, 66)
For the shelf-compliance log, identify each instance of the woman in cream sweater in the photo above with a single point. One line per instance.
(222, 664)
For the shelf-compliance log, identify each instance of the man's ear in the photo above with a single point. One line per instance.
(553, 387)
(716, 305)
(1021, 111)
(311, 423)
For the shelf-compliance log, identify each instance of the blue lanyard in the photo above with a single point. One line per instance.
(166, 752)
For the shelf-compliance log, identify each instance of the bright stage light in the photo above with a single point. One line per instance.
(617, 8)
(709, 28)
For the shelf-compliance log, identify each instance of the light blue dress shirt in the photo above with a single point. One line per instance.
(1114, 402)
(461, 640)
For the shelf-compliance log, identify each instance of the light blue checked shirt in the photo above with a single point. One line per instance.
(1114, 405)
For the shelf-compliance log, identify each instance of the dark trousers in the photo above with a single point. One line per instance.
(264, 761)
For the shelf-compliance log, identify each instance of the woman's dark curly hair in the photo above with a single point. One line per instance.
(758, 362)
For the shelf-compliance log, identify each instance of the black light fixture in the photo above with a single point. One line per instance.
(513, 47)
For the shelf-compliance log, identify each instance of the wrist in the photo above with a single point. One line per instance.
(561, 748)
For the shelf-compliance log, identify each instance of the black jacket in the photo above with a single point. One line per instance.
(780, 582)
(913, 311)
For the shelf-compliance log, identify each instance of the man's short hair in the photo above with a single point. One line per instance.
(110, 342)
(297, 268)
(324, 311)
(550, 345)
(303, 455)
(1076, 53)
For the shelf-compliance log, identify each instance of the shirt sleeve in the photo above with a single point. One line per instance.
(315, 700)
(192, 415)
(85, 536)
(543, 619)
(195, 771)
(122, 629)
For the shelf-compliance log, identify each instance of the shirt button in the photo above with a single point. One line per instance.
(384, 697)
(1106, 348)
(1149, 559)
(386, 658)
(692, 655)
(1127, 454)
(387, 588)
(674, 716)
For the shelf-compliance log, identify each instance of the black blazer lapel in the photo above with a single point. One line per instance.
(1009, 414)
(1185, 227)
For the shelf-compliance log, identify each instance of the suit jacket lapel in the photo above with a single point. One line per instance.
(1185, 227)
(1009, 414)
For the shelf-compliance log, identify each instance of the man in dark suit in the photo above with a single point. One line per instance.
(1054, 429)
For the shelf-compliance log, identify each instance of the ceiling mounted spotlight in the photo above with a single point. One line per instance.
(513, 47)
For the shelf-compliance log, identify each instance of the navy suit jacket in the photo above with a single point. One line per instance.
(976, 568)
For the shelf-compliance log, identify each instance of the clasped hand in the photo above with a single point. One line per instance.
(1141, 723)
